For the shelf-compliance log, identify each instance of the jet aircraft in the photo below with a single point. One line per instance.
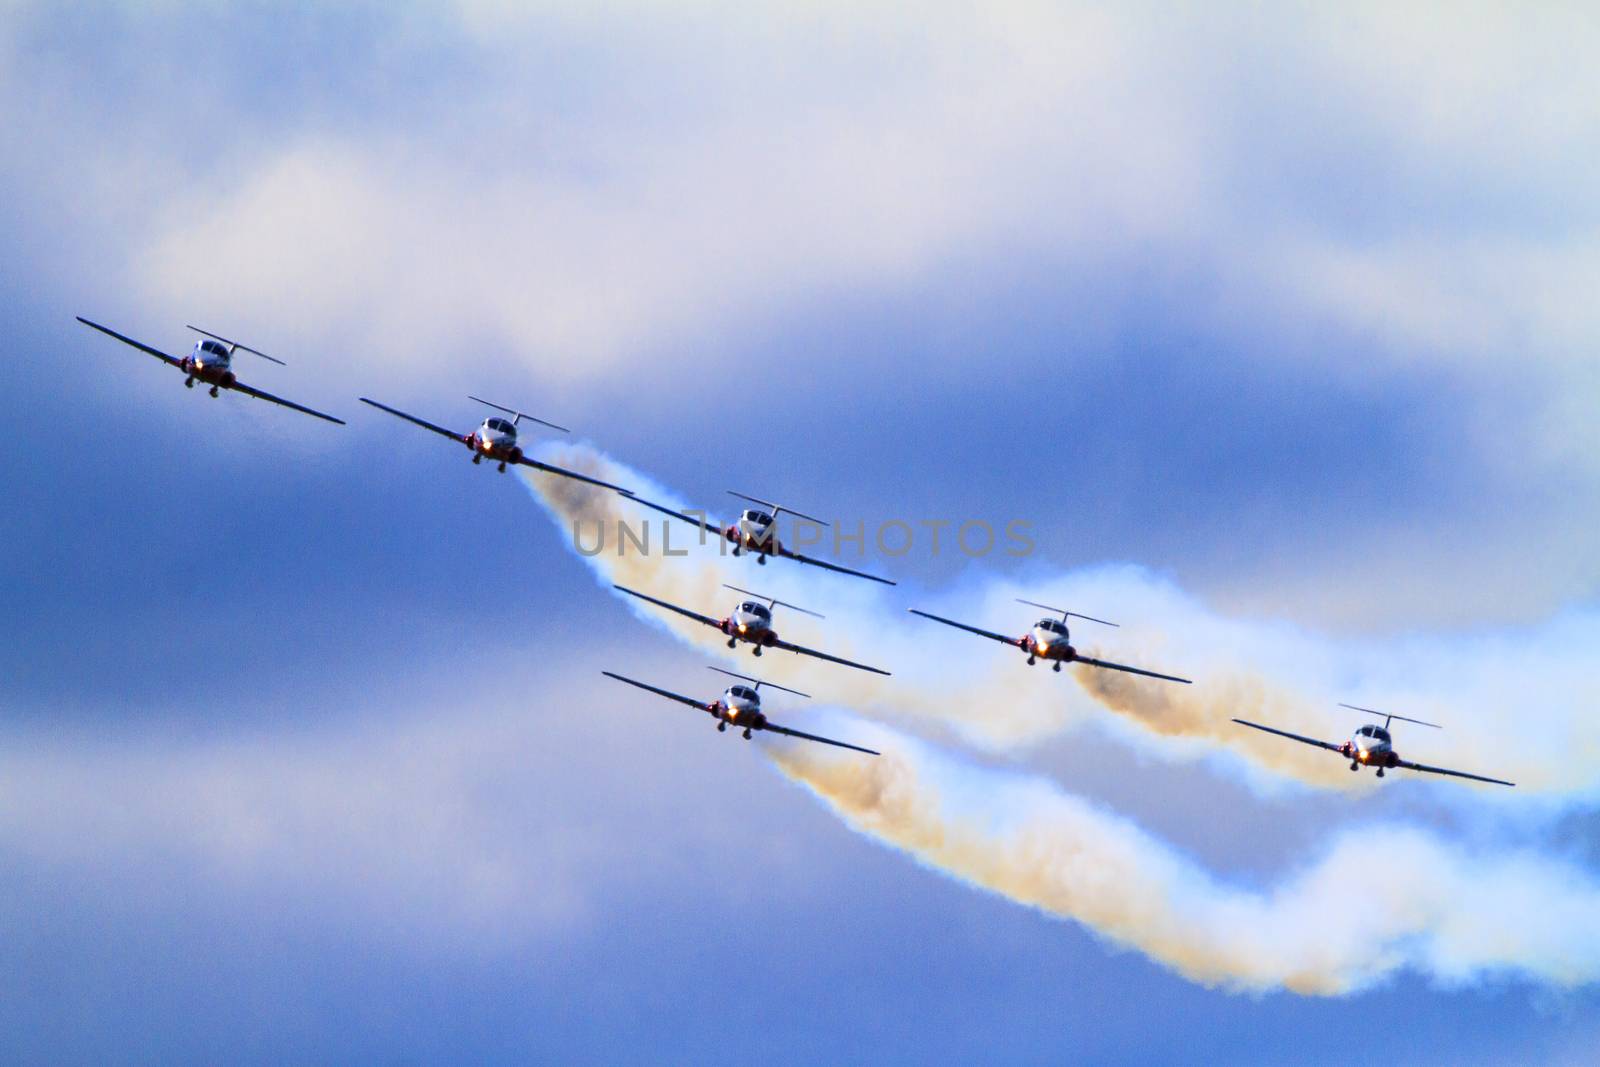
(751, 622)
(1372, 746)
(1049, 640)
(740, 707)
(211, 362)
(756, 531)
(496, 440)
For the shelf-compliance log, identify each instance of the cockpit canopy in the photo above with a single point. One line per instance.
(214, 348)
(742, 692)
(499, 425)
(1377, 733)
(756, 518)
(1053, 626)
(760, 611)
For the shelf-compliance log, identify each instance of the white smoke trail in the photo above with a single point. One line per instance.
(1515, 702)
(1381, 899)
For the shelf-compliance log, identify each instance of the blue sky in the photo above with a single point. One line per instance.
(305, 753)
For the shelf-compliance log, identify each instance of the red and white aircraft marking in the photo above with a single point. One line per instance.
(1372, 746)
(756, 532)
(740, 707)
(211, 362)
(1050, 640)
(495, 439)
(751, 622)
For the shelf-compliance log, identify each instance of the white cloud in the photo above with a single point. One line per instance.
(1373, 192)
(578, 241)
(508, 810)
(706, 172)
(617, 176)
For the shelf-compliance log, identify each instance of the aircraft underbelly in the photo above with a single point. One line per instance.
(212, 375)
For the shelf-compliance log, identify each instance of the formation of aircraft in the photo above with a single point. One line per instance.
(740, 707)
(1049, 640)
(755, 532)
(751, 623)
(211, 362)
(1372, 746)
(495, 439)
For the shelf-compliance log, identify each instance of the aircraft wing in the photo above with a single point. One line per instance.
(991, 635)
(1091, 661)
(788, 553)
(690, 519)
(685, 612)
(549, 468)
(1454, 774)
(786, 646)
(813, 737)
(680, 698)
(424, 423)
(141, 346)
(247, 390)
(1293, 737)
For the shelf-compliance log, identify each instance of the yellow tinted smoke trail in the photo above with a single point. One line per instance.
(1512, 701)
(1379, 899)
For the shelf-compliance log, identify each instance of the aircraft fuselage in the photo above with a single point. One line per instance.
(1047, 650)
(1048, 640)
(760, 541)
(1365, 753)
(495, 447)
(211, 364)
(210, 373)
(740, 715)
(749, 632)
(755, 531)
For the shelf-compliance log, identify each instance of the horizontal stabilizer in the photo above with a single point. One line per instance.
(775, 600)
(759, 683)
(517, 416)
(236, 346)
(1065, 613)
(1386, 715)
(776, 508)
